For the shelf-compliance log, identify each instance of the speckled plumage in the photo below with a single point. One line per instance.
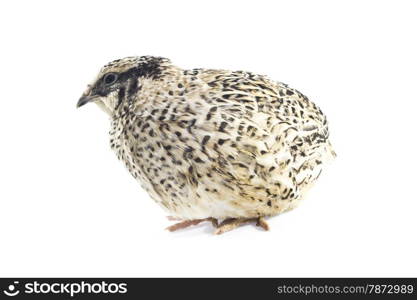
(212, 143)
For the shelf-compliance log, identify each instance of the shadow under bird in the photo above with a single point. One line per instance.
(230, 147)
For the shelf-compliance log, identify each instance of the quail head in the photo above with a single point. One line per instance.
(230, 147)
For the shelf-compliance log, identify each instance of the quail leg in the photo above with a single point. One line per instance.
(262, 223)
(188, 223)
(230, 224)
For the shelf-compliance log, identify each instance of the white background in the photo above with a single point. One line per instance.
(69, 208)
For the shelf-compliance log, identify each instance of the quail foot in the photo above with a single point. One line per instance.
(227, 147)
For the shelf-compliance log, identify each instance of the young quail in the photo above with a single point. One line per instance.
(212, 145)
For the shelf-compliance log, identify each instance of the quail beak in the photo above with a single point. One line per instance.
(84, 100)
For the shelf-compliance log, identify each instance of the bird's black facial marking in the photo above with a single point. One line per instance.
(120, 97)
(150, 68)
(133, 87)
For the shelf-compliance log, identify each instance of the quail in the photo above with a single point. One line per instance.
(229, 147)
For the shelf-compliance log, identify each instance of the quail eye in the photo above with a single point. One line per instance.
(110, 78)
